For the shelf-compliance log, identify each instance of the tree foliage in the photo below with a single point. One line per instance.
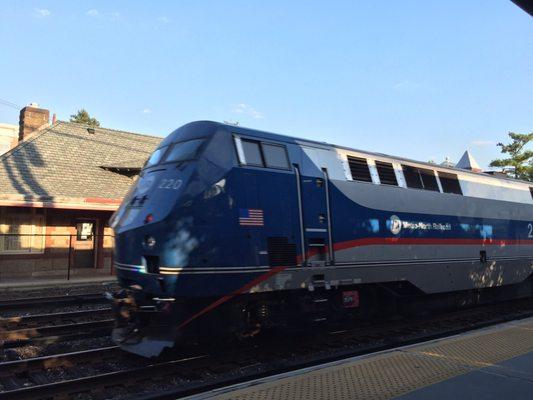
(83, 117)
(520, 161)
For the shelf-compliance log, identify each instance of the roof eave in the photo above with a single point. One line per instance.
(76, 203)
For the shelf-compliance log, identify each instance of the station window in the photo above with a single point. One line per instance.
(386, 173)
(275, 156)
(84, 231)
(252, 153)
(420, 178)
(450, 183)
(359, 169)
(21, 232)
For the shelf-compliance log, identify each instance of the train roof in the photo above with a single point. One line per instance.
(292, 139)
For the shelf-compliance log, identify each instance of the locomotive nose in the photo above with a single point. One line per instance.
(153, 197)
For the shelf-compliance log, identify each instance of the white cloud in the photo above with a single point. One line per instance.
(146, 111)
(163, 20)
(406, 86)
(482, 143)
(248, 110)
(42, 12)
(112, 17)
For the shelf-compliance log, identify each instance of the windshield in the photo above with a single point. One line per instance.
(156, 156)
(184, 151)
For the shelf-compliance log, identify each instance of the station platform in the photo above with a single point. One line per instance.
(46, 283)
(491, 363)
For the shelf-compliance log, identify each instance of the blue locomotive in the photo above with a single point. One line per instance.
(233, 229)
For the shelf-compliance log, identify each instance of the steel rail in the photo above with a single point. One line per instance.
(80, 385)
(10, 368)
(54, 333)
(28, 302)
(12, 322)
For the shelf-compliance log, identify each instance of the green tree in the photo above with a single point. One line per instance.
(520, 161)
(83, 117)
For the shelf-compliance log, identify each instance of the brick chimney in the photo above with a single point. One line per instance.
(32, 118)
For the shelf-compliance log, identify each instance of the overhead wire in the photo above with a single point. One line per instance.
(10, 104)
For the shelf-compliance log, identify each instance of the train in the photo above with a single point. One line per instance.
(234, 231)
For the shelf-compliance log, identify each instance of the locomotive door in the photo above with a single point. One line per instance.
(315, 218)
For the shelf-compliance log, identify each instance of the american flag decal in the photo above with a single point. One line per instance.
(250, 217)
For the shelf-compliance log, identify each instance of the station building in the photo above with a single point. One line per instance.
(8, 137)
(59, 185)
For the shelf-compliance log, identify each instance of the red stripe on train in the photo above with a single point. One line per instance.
(417, 242)
(356, 243)
(245, 288)
(425, 241)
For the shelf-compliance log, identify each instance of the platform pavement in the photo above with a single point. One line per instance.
(45, 283)
(490, 363)
(510, 379)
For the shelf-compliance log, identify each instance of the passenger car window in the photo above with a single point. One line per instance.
(184, 151)
(412, 178)
(420, 178)
(252, 153)
(450, 183)
(275, 156)
(156, 157)
(429, 179)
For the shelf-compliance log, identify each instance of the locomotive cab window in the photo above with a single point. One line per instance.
(531, 191)
(260, 154)
(450, 183)
(359, 169)
(184, 151)
(156, 156)
(386, 173)
(252, 153)
(275, 156)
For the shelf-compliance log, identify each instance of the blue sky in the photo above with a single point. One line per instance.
(419, 79)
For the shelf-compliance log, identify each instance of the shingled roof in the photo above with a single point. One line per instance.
(72, 165)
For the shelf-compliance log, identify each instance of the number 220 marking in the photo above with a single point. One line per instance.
(530, 231)
(170, 184)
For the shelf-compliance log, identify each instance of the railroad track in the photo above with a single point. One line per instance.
(98, 383)
(39, 302)
(108, 372)
(45, 335)
(40, 328)
(32, 321)
(10, 369)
